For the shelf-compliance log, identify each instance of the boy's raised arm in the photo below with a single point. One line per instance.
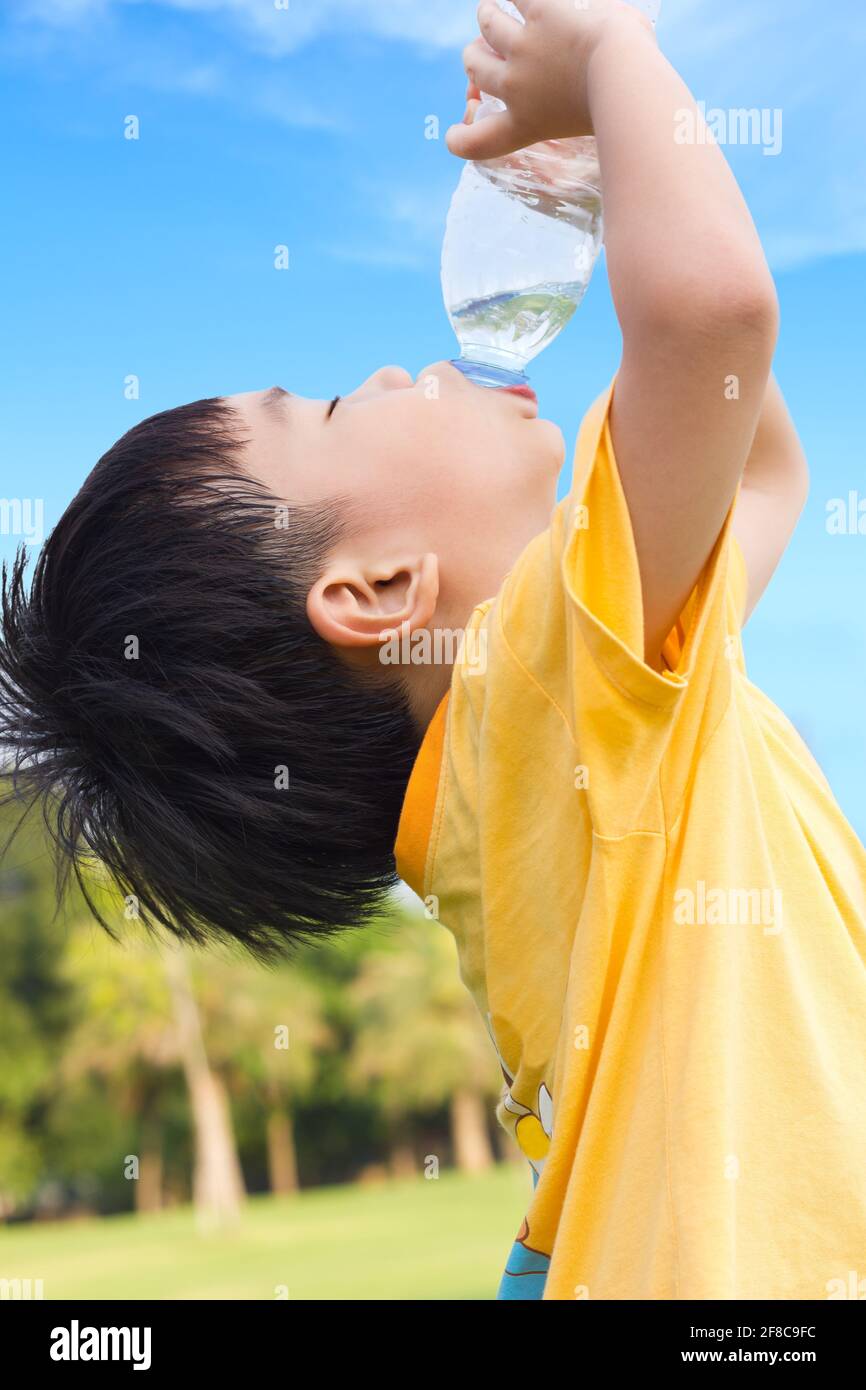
(691, 287)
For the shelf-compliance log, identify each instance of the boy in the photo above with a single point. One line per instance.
(659, 908)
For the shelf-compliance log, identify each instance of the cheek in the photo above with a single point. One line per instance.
(459, 460)
(528, 457)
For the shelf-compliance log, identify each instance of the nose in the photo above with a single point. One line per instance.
(385, 379)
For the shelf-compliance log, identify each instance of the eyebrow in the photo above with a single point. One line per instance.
(275, 398)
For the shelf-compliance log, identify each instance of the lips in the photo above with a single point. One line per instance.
(525, 391)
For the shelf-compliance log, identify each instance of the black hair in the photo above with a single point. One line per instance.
(167, 703)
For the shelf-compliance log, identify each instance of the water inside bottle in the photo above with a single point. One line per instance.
(521, 241)
(518, 323)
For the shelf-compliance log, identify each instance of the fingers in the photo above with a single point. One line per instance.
(488, 139)
(484, 68)
(499, 29)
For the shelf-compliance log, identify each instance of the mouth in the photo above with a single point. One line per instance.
(524, 393)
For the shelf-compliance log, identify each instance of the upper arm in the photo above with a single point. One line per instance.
(773, 494)
(686, 407)
(763, 524)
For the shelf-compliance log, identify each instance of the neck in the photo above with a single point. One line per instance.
(426, 686)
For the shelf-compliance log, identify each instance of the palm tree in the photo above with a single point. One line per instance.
(419, 1038)
(265, 1031)
(218, 1185)
(138, 1018)
(125, 1035)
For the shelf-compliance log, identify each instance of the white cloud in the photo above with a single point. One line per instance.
(59, 12)
(432, 23)
(378, 257)
(808, 202)
(271, 99)
(412, 221)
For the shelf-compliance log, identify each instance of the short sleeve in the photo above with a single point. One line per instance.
(626, 716)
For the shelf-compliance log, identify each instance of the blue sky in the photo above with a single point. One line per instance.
(306, 126)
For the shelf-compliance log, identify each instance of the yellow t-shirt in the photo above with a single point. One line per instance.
(660, 911)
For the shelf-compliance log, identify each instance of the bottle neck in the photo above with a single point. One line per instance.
(489, 373)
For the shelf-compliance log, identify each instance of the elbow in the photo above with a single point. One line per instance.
(726, 310)
(752, 311)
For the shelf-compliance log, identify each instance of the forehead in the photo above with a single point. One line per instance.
(261, 410)
(272, 397)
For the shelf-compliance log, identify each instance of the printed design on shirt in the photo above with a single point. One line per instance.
(526, 1271)
(531, 1128)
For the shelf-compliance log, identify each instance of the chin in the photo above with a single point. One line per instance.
(554, 443)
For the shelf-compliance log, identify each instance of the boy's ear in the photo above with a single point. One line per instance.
(359, 605)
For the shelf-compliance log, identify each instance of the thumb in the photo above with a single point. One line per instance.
(485, 139)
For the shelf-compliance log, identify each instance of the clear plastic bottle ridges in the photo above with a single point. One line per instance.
(521, 241)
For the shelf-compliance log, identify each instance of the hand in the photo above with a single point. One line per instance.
(539, 69)
(550, 164)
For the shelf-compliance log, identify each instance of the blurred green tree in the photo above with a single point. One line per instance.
(139, 1017)
(36, 1006)
(126, 1037)
(265, 1029)
(419, 1039)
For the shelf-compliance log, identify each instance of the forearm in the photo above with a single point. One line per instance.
(679, 237)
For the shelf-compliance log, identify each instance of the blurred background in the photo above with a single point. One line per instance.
(322, 1127)
(176, 1125)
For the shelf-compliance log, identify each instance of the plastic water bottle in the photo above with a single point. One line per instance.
(521, 241)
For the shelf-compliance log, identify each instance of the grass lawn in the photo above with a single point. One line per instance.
(413, 1239)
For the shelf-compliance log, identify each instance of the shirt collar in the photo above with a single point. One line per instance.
(419, 804)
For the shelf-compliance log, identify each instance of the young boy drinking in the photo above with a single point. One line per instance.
(659, 907)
